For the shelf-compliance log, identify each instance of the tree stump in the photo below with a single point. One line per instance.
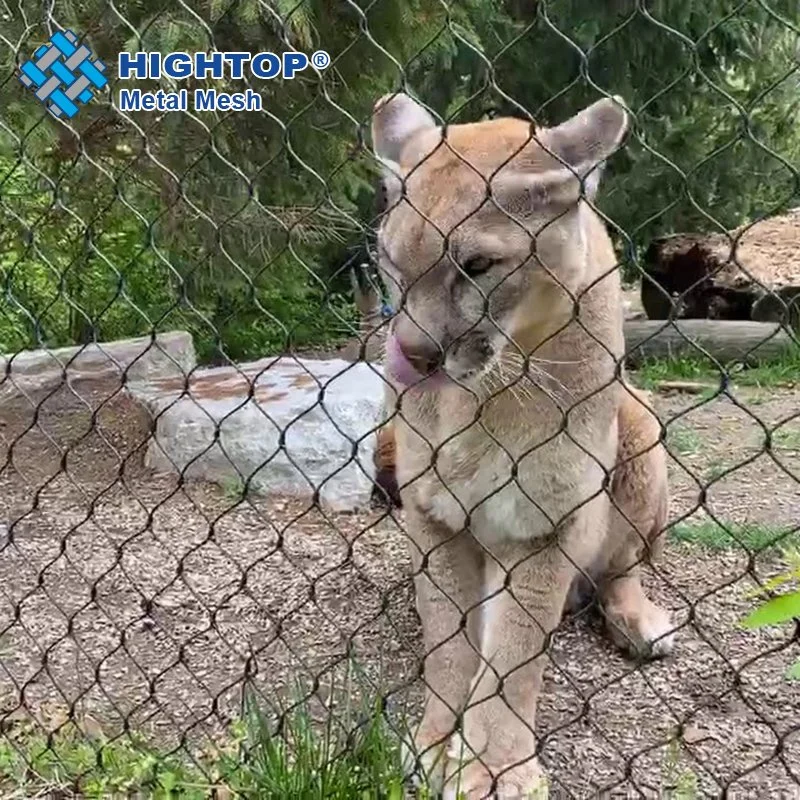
(704, 276)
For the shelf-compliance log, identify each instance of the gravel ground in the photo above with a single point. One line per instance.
(127, 599)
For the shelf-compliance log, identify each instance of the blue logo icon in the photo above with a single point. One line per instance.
(63, 74)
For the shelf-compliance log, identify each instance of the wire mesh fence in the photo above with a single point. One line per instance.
(328, 466)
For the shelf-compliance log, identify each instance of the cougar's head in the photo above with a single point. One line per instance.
(484, 233)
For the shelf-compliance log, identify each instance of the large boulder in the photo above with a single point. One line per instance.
(282, 425)
(168, 354)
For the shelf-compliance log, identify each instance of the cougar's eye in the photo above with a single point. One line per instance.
(477, 265)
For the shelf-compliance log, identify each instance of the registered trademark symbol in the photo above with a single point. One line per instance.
(320, 59)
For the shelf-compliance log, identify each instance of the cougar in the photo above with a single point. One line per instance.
(527, 465)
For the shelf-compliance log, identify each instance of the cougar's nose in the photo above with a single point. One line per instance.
(410, 358)
(424, 356)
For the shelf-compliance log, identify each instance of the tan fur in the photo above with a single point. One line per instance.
(503, 487)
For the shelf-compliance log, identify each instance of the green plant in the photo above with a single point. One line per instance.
(347, 754)
(652, 371)
(233, 489)
(693, 152)
(716, 469)
(33, 763)
(305, 748)
(237, 230)
(678, 784)
(782, 608)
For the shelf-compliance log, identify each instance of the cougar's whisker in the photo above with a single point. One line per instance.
(513, 360)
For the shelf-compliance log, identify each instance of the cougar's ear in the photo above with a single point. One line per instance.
(585, 141)
(395, 118)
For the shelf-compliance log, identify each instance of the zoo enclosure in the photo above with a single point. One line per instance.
(240, 228)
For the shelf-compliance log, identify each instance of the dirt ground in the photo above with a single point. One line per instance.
(135, 602)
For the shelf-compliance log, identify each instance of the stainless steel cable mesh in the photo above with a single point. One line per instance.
(142, 602)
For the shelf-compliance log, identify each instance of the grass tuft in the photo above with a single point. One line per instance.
(754, 536)
(679, 782)
(784, 371)
(683, 440)
(785, 438)
(346, 755)
(342, 750)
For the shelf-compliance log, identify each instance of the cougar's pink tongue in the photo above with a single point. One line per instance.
(398, 366)
(403, 371)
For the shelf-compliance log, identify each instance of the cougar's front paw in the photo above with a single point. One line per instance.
(644, 631)
(474, 780)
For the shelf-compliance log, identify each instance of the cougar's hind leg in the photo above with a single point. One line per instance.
(639, 488)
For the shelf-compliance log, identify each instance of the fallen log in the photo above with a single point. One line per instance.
(725, 340)
(782, 305)
(686, 387)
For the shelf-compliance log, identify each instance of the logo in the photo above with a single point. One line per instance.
(63, 74)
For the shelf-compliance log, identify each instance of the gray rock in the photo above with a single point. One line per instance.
(288, 425)
(170, 354)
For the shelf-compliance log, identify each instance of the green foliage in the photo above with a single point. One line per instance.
(679, 783)
(683, 440)
(782, 608)
(78, 265)
(34, 764)
(786, 438)
(713, 89)
(756, 538)
(233, 226)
